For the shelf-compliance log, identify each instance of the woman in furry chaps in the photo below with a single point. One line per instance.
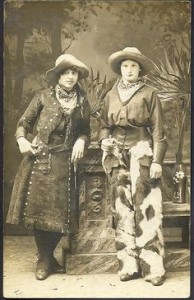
(134, 145)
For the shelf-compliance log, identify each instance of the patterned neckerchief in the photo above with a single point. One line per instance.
(64, 95)
(128, 86)
(126, 91)
(67, 100)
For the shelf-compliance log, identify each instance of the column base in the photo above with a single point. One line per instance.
(78, 264)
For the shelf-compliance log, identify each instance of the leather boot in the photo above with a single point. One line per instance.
(54, 238)
(46, 242)
(43, 269)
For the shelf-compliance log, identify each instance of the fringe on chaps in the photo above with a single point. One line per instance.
(137, 211)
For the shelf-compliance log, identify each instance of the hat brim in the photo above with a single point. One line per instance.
(115, 59)
(52, 74)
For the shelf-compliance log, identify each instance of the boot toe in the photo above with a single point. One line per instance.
(127, 277)
(42, 274)
(43, 270)
(159, 280)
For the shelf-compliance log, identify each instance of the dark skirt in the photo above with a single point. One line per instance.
(45, 199)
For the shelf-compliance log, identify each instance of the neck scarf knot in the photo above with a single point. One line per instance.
(67, 100)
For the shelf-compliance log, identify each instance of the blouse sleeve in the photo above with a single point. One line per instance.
(105, 129)
(157, 130)
(26, 122)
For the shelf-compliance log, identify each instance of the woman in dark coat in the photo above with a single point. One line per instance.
(43, 196)
(133, 143)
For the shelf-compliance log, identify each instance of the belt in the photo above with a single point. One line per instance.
(43, 158)
(58, 148)
(129, 136)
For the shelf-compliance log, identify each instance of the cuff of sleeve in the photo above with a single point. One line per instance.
(21, 132)
(159, 152)
(104, 134)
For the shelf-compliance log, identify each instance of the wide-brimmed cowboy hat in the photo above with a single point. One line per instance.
(130, 53)
(66, 61)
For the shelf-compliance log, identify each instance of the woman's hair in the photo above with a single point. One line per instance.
(74, 68)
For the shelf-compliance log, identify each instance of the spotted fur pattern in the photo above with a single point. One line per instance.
(137, 212)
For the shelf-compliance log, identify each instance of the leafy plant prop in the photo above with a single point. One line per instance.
(95, 91)
(173, 81)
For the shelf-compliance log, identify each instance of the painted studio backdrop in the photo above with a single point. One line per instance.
(37, 32)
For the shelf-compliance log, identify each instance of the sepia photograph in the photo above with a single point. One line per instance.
(97, 149)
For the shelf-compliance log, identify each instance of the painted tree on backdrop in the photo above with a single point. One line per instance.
(33, 34)
(21, 22)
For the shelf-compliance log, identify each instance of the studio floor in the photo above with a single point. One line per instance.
(19, 258)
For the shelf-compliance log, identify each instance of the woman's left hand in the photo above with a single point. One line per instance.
(78, 150)
(155, 171)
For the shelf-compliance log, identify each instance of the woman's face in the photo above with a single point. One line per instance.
(130, 70)
(68, 79)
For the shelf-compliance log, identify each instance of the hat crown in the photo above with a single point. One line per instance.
(130, 53)
(63, 57)
(132, 50)
(65, 61)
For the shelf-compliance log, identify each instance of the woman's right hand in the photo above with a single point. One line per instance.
(26, 147)
(106, 145)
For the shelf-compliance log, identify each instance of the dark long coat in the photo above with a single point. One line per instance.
(44, 195)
